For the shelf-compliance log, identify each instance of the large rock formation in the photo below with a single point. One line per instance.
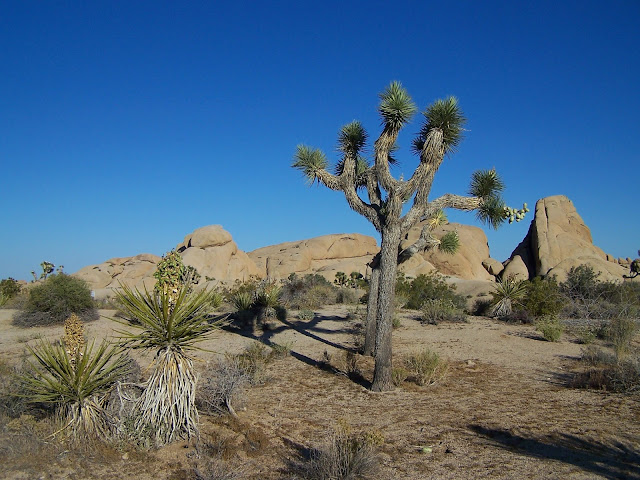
(134, 271)
(324, 255)
(215, 255)
(466, 263)
(558, 239)
(211, 250)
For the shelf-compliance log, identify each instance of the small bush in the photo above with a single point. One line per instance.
(621, 332)
(426, 367)
(308, 292)
(54, 300)
(345, 456)
(543, 298)
(223, 386)
(427, 287)
(607, 372)
(551, 328)
(306, 315)
(439, 310)
(281, 350)
(9, 288)
(254, 362)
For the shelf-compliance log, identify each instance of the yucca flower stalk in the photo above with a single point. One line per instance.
(171, 323)
(76, 384)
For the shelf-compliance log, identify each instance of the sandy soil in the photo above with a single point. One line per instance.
(505, 410)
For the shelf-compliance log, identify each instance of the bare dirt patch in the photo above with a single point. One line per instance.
(505, 409)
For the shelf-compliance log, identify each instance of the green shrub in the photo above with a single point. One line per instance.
(306, 315)
(439, 310)
(9, 288)
(426, 367)
(308, 292)
(427, 287)
(54, 300)
(551, 328)
(543, 298)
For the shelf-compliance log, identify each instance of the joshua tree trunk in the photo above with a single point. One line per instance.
(383, 380)
(372, 309)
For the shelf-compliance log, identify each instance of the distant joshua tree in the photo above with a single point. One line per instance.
(386, 197)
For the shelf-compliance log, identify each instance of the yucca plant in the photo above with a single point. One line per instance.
(508, 293)
(171, 323)
(75, 377)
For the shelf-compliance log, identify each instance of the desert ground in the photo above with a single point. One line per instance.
(505, 410)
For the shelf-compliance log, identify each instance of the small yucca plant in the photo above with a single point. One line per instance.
(171, 323)
(75, 377)
(509, 292)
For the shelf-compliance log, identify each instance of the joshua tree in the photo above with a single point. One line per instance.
(386, 196)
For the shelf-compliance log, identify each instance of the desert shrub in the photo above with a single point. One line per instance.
(507, 295)
(425, 367)
(543, 297)
(9, 288)
(306, 315)
(396, 322)
(223, 386)
(439, 310)
(427, 287)
(254, 360)
(551, 328)
(347, 295)
(308, 292)
(345, 455)
(607, 372)
(281, 350)
(620, 332)
(54, 300)
(12, 401)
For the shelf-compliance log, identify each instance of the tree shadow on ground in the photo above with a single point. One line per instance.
(307, 329)
(616, 461)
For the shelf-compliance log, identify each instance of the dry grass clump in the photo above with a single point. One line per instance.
(425, 367)
(345, 455)
(606, 371)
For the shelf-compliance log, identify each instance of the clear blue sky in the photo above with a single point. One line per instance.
(124, 126)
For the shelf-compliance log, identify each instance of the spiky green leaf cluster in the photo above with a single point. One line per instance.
(163, 320)
(449, 243)
(396, 106)
(309, 161)
(485, 183)
(57, 378)
(444, 115)
(352, 138)
(491, 211)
